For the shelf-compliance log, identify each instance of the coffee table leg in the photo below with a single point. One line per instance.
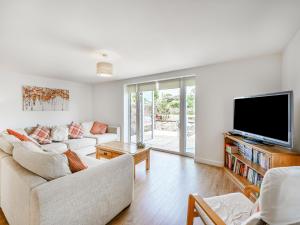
(148, 160)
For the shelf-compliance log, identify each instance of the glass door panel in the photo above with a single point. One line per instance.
(190, 119)
(167, 120)
(147, 115)
(133, 110)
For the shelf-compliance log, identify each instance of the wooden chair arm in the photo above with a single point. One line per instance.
(207, 210)
(251, 189)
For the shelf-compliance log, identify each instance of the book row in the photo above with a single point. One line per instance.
(243, 170)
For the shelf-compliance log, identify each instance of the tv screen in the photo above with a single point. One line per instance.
(267, 118)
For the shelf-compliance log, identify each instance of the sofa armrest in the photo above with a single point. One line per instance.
(114, 130)
(92, 196)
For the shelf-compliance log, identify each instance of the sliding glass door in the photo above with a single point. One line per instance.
(162, 114)
(190, 96)
(167, 119)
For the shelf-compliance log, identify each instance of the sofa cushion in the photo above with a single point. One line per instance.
(87, 126)
(55, 147)
(6, 143)
(86, 150)
(48, 165)
(99, 128)
(74, 144)
(103, 138)
(59, 133)
(92, 161)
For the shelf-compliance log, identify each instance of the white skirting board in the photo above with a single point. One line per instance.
(210, 162)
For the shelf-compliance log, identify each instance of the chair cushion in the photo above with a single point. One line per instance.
(103, 138)
(279, 198)
(74, 144)
(55, 147)
(233, 208)
(48, 165)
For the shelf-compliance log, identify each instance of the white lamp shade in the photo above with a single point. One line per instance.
(104, 69)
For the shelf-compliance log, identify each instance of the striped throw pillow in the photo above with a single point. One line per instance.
(75, 131)
(42, 135)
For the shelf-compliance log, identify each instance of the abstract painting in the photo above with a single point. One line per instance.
(45, 99)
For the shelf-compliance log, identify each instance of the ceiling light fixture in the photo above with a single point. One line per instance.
(104, 68)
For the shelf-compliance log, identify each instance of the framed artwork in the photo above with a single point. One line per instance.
(45, 99)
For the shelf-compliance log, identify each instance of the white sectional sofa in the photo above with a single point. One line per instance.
(93, 196)
(82, 146)
(90, 197)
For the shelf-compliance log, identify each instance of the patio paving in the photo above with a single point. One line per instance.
(167, 140)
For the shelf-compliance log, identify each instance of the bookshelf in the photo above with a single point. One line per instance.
(254, 158)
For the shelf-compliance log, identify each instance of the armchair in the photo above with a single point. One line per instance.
(278, 204)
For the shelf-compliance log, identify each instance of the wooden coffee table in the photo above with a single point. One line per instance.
(116, 148)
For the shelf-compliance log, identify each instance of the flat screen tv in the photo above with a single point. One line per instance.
(265, 118)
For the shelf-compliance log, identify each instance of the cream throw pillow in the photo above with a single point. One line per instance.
(87, 126)
(48, 165)
(59, 133)
(6, 143)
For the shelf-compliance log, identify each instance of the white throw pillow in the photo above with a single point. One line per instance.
(87, 126)
(6, 143)
(48, 165)
(59, 133)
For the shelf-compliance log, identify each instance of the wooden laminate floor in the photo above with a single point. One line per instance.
(161, 194)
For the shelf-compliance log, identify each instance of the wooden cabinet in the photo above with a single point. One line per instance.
(276, 156)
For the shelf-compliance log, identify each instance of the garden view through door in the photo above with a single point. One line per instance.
(165, 134)
(162, 115)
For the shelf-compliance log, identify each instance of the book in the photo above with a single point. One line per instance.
(232, 149)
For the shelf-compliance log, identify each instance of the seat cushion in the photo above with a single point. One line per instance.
(91, 161)
(55, 147)
(233, 208)
(86, 150)
(103, 138)
(75, 144)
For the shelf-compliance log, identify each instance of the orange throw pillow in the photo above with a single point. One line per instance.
(99, 128)
(21, 137)
(75, 162)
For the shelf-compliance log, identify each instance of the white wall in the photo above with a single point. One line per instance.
(217, 85)
(291, 80)
(13, 116)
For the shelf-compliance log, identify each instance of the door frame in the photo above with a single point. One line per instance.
(182, 118)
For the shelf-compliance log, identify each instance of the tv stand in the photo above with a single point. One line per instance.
(256, 142)
(275, 156)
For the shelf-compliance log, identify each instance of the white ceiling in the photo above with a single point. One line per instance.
(59, 38)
